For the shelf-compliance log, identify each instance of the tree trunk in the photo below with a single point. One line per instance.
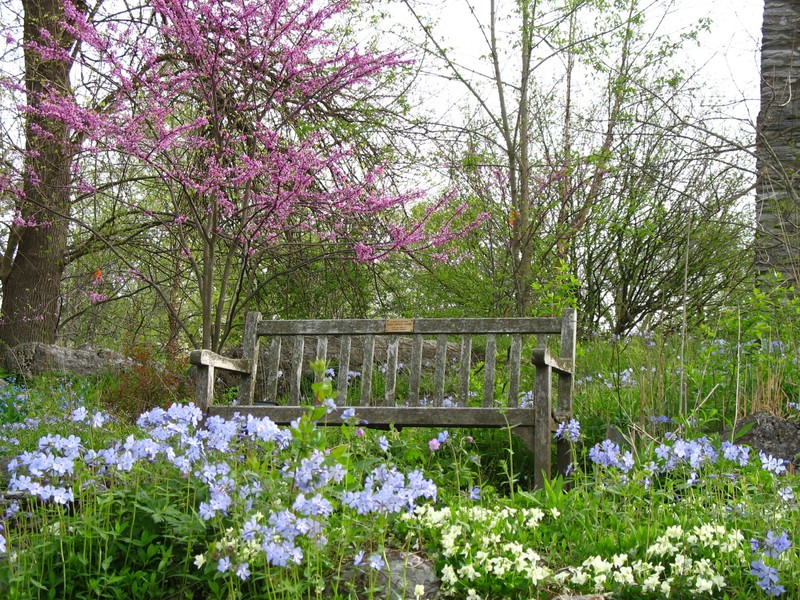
(34, 259)
(778, 134)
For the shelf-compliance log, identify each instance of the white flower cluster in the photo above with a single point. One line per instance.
(677, 558)
(480, 544)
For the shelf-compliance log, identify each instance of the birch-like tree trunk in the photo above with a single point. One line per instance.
(778, 137)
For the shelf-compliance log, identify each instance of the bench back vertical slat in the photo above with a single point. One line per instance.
(366, 370)
(488, 369)
(343, 378)
(514, 360)
(441, 369)
(297, 368)
(391, 370)
(416, 370)
(464, 370)
(322, 354)
(273, 370)
(250, 352)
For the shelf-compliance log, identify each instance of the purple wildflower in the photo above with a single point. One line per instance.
(376, 562)
(224, 564)
(767, 578)
(772, 464)
(569, 431)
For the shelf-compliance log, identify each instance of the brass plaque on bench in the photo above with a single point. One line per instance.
(399, 326)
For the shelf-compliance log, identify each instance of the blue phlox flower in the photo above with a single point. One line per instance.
(660, 420)
(152, 418)
(443, 436)
(251, 529)
(224, 564)
(348, 413)
(206, 511)
(737, 453)
(284, 523)
(767, 578)
(383, 443)
(608, 454)
(80, 415)
(776, 545)
(786, 494)
(186, 414)
(315, 506)
(475, 493)
(280, 553)
(99, 419)
(243, 571)
(263, 429)
(376, 562)
(569, 430)
(772, 464)
(358, 559)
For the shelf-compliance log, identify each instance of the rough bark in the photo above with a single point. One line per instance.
(778, 134)
(34, 259)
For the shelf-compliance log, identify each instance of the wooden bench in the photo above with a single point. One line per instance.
(424, 401)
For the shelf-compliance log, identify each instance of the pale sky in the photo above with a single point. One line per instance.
(728, 55)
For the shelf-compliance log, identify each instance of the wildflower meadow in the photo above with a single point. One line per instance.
(97, 503)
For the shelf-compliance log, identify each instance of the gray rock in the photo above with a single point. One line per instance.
(770, 434)
(404, 571)
(36, 359)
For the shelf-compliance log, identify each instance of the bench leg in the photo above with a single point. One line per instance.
(204, 386)
(541, 442)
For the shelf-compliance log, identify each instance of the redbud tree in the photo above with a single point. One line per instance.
(233, 114)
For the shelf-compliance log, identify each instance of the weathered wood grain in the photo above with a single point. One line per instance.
(399, 416)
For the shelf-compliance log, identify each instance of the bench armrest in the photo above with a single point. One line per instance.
(212, 359)
(541, 357)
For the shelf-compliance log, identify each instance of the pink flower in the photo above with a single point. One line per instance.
(434, 444)
(359, 432)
